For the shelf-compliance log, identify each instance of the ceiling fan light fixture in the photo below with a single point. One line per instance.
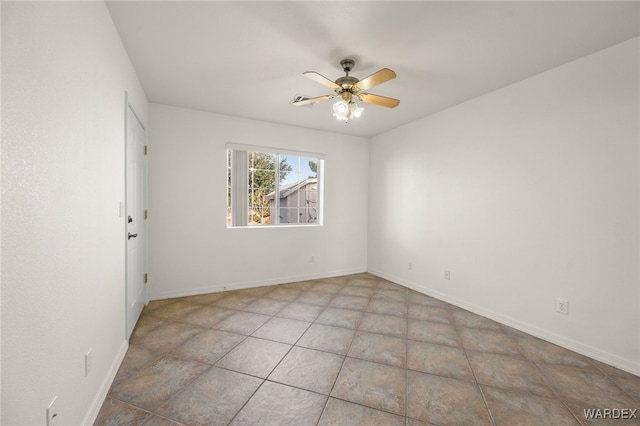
(341, 110)
(356, 111)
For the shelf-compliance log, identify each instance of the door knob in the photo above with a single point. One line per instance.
(130, 236)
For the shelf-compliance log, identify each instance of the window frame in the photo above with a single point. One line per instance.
(237, 157)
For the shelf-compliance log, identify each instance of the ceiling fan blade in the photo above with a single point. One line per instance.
(321, 79)
(379, 100)
(385, 74)
(309, 101)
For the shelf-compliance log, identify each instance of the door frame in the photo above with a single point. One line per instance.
(130, 107)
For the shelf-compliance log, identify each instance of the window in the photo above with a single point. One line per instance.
(273, 187)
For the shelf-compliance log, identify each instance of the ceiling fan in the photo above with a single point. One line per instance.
(349, 88)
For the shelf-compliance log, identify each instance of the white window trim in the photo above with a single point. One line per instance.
(271, 150)
(240, 184)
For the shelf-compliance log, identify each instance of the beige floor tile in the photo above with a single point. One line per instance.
(383, 284)
(282, 293)
(234, 301)
(390, 295)
(276, 405)
(242, 322)
(299, 285)
(430, 313)
(375, 385)
(422, 299)
(256, 357)
(136, 358)
(379, 348)
(208, 346)
(254, 291)
(468, 319)
(168, 336)
(609, 370)
(352, 290)
(114, 412)
(175, 310)
(327, 338)
(442, 400)
(308, 369)
(490, 341)
(283, 330)
(508, 373)
(145, 325)
(441, 360)
(154, 384)
(340, 413)
(384, 324)
(157, 304)
(203, 299)
(589, 388)
(266, 306)
(628, 383)
(214, 398)
(414, 422)
(357, 303)
(340, 317)
(317, 298)
(538, 350)
(159, 421)
(433, 332)
(301, 311)
(358, 281)
(515, 408)
(207, 316)
(327, 287)
(381, 306)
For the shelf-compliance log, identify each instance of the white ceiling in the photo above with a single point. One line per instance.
(247, 58)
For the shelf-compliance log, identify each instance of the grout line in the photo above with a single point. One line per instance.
(475, 378)
(344, 357)
(247, 401)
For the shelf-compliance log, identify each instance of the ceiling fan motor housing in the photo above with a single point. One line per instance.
(347, 65)
(346, 95)
(346, 82)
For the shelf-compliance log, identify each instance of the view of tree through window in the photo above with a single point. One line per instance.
(280, 189)
(262, 182)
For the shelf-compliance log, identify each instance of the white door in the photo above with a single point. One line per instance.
(135, 235)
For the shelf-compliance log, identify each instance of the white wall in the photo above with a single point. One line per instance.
(64, 75)
(526, 194)
(192, 251)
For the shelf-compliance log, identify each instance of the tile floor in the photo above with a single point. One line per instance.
(352, 350)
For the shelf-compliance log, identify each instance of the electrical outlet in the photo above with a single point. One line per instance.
(447, 275)
(88, 362)
(562, 306)
(312, 259)
(410, 266)
(52, 413)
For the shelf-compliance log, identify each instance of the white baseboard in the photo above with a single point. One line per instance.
(98, 400)
(565, 342)
(251, 284)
